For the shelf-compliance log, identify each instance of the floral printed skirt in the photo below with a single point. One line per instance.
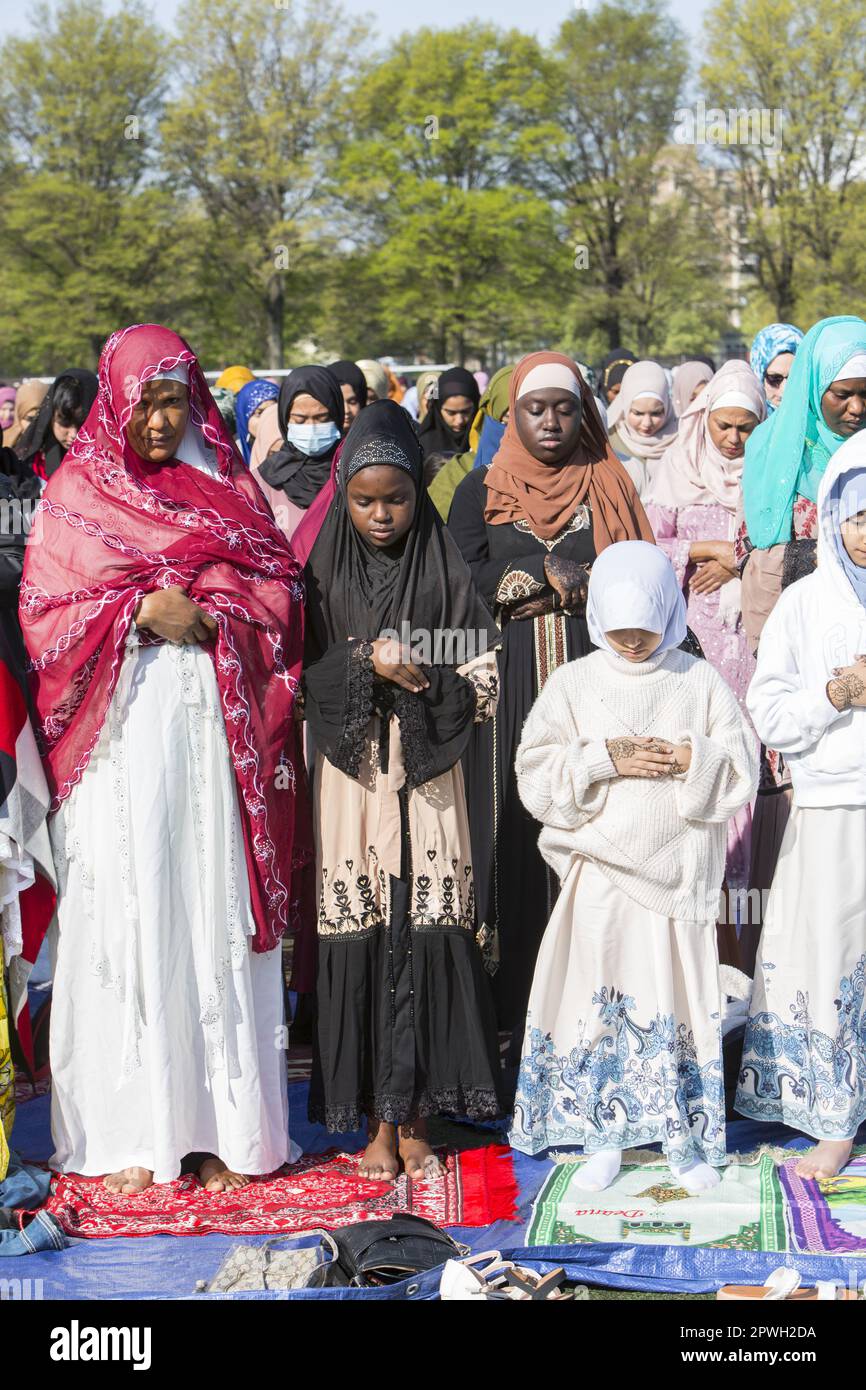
(804, 1058)
(623, 1036)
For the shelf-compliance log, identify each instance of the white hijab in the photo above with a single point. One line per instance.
(192, 448)
(632, 584)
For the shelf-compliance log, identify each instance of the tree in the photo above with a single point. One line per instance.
(616, 77)
(249, 135)
(802, 70)
(84, 238)
(432, 185)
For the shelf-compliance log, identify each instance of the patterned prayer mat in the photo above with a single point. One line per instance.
(479, 1187)
(759, 1205)
(645, 1206)
(827, 1217)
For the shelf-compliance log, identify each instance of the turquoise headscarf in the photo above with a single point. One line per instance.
(786, 455)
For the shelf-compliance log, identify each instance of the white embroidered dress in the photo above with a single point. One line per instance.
(166, 1027)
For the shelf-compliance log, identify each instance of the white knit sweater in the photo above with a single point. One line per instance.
(661, 840)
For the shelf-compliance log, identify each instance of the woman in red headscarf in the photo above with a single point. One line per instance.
(530, 526)
(162, 613)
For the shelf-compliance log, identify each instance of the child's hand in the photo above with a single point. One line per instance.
(393, 663)
(640, 757)
(682, 758)
(848, 686)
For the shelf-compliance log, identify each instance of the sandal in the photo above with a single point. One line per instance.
(487, 1276)
(784, 1285)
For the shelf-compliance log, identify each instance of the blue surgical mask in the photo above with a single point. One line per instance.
(313, 439)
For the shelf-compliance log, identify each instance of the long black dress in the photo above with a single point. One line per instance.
(515, 890)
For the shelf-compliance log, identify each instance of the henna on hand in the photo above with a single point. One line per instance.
(622, 748)
(838, 693)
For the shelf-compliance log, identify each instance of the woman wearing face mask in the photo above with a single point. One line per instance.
(641, 422)
(786, 457)
(61, 415)
(530, 525)
(311, 413)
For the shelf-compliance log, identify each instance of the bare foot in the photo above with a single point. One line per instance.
(214, 1176)
(128, 1181)
(380, 1156)
(419, 1160)
(825, 1161)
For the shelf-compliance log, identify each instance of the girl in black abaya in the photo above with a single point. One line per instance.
(405, 1024)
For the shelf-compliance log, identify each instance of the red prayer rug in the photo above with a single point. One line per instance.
(327, 1190)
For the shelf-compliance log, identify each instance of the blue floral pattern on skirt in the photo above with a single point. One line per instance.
(794, 1073)
(634, 1085)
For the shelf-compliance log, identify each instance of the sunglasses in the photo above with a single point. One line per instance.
(774, 379)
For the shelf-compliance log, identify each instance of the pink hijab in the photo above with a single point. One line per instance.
(643, 379)
(693, 470)
(686, 378)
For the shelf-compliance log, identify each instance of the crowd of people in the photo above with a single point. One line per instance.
(496, 696)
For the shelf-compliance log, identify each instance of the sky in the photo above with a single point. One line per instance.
(543, 17)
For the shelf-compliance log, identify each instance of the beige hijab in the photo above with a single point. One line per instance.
(30, 394)
(643, 379)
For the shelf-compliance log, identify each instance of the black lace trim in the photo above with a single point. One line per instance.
(414, 733)
(800, 559)
(360, 677)
(415, 738)
(475, 1102)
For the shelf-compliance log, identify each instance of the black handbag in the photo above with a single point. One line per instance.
(373, 1253)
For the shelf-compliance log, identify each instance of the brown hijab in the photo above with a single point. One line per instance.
(519, 487)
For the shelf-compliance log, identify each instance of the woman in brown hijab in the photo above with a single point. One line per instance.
(530, 526)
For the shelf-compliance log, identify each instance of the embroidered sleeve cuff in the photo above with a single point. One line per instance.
(515, 585)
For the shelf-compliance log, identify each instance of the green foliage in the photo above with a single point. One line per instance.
(263, 181)
(808, 63)
(81, 231)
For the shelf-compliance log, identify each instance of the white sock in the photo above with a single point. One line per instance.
(696, 1177)
(599, 1171)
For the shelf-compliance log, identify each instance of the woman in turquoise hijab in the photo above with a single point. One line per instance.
(823, 405)
(786, 456)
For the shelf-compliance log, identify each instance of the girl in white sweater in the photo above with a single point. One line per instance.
(804, 1058)
(633, 758)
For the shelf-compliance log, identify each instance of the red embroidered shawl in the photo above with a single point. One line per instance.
(111, 528)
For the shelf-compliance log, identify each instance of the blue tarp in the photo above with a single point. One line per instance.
(168, 1267)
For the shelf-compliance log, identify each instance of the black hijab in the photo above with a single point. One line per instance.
(355, 590)
(436, 436)
(302, 476)
(38, 438)
(350, 374)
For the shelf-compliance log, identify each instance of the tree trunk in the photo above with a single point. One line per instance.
(274, 309)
